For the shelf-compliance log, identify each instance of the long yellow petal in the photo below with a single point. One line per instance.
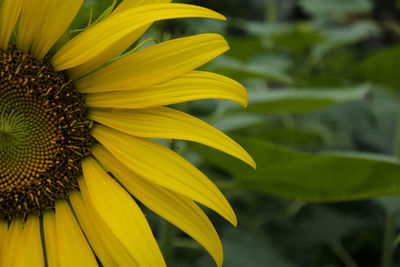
(50, 238)
(12, 243)
(162, 122)
(155, 64)
(192, 86)
(30, 252)
(3, 237)
(9, 13)
(73, 249)
(101, 36)
(128, 4)
(3, 234)
(177, 209)
(119, 46)
(120, 212)
(164, 167)
(108, 248)
(57, 17)
(32, 16)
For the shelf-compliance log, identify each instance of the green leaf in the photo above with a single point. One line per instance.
(265, 70)
(335, 8)
(312, 177)
(381, 68)
(304, 100)
(242, 248)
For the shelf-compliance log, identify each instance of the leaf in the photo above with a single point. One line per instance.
(238, 121)
(242, 248)
(350, 34)
(312, 177)
(381, 68)
(335, 8)
(292, 100)
(255, 69)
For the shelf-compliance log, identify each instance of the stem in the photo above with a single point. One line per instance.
(271, 11)
(342, 253)
(397, 143)
(166, 236)
(388, 239)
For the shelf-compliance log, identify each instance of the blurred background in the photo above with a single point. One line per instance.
(323, 78)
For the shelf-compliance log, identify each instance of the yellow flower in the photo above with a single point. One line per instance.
(70, 119)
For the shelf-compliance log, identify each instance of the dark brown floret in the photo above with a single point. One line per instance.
(44, 135)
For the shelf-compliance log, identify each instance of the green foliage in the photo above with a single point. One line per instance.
(329, 176)
(322, 124)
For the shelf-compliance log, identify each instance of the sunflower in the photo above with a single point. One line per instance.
(77, 129)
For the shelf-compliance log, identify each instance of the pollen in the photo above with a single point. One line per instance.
(44, 135)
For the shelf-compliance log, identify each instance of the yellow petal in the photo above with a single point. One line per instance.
(156, 64)
(107, 247)
(119, 46)
(177, 209)
(128, 4)
(12, 243)
(192, 86)
(3, 234)
(101, 36)
(162, 122)
(120, 213)
(57, 17)
(50, 238)
(30, 248)
(9, 13)
(164, 167)
(73, 249)
(32, 16)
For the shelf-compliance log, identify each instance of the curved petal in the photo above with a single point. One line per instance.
(164, 167)
(3, 234)
(32, 15)
(30, 246)
(175, 208)
(162, 122)
(98, 38)
(120, 213)
(194, 85)
(9, 13)
(73, 248)
(155, 64)
(119, 46)
(12, 243)
(108, 248)
(50, 238)
(56, 20)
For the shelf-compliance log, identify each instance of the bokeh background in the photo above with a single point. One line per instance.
(323, 78)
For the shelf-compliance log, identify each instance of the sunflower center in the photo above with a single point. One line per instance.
(44, 135)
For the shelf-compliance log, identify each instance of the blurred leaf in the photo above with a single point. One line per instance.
(243, 48)
(264, 69)
(335, 8)
(298, 39)
(245, 249)
(381, 68)
(296, 137)
(392, 206)
(304, 100)
(350, 33)
(265, 29)
(237, 121)
(312, 177)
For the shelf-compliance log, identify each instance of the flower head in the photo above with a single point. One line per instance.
(75, 127)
